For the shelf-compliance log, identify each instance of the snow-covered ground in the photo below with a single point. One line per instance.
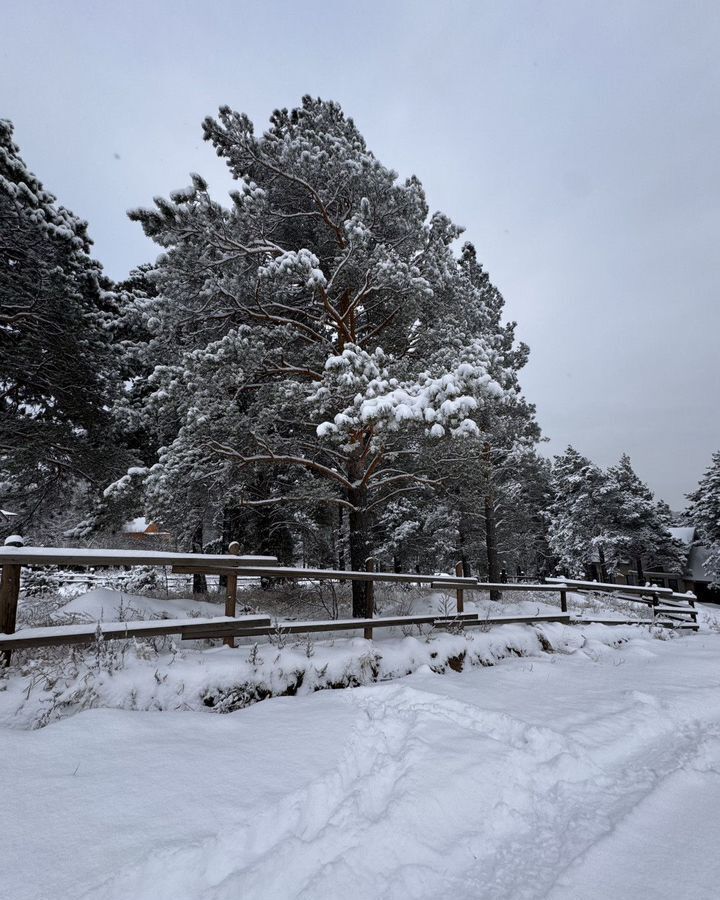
(590, 772)
(562, 761)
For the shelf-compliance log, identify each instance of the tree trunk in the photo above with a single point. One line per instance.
(358, 555)
(462, 548)
(358, 535)
(491, 544)
(199, 581)
(603, 569)
(640, 571)
(227, 538)
(340, 540)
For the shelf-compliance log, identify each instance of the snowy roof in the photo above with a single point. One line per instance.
(136, 526)
(684, 534)
(697, 554)
(696, 564)
(81, 556)
(7, 515)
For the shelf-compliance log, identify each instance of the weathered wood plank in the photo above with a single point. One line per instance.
(659, 622)
(224, 629)
(520, 620)
(467, 620)
(9, 593)
(576, 585)
(73, 556)
(502, 586)
(231, 591)
(459, 595)
(330, 575)
(82, 634)
(675, 610)
(647, 601)
(369, 598)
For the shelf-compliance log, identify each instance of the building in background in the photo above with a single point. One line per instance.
(149, 535)
(693, 577)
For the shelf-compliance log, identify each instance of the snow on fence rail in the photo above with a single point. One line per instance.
(668, 608)
(74, 556)
(233, 565)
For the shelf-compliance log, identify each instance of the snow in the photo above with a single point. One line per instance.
(589, 771)
(78, 629)
(89, 557)
(106, 605)
(685, 535)
(388, 403)
(139, 525)
(569, 775)
(677, 821)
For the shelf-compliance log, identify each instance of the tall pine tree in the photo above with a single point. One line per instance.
(319, 328)
(577, 526)
(56, 364)
(637, 524)
(704, 513)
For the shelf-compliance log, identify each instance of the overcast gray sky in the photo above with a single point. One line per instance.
(577, 142)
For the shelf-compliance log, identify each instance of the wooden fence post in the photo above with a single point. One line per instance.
(655, 603)
(231, 593)
(9, 592)
(563, 601)
(369, 598)
(460, 594)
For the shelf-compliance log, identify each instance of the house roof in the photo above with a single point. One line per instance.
(696, 564)
(685, 534)
(697, 554)
(136, 526)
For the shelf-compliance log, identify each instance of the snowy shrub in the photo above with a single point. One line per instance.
(146, 580)
(38, 582)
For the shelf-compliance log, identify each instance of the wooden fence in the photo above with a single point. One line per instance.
(669, 610)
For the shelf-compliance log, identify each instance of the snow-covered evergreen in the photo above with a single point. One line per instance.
(321, 328)
(57, 369)
(704, 513)
(599, 520)
(577, 527)
(638, 525)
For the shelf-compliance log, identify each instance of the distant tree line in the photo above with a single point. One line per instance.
(312, 370)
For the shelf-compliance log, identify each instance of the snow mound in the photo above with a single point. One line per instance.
(105, 605)
(165, 675)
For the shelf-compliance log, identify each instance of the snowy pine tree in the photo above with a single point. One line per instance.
(637, 525)
(704, 513)
(600, 520)
(577, 529)
(320, 327)
(56, 364)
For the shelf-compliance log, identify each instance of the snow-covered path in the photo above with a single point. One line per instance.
(556, 777)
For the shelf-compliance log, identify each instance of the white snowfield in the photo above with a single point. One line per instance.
(565, 776)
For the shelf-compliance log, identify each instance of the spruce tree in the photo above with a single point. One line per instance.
(704, 513)
(56, 362)
(577, 526)
(636, 523)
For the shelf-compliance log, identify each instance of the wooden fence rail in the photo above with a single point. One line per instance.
(668, 608)
(673, 610)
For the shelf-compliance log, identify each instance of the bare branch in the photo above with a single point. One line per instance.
(269, 458)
